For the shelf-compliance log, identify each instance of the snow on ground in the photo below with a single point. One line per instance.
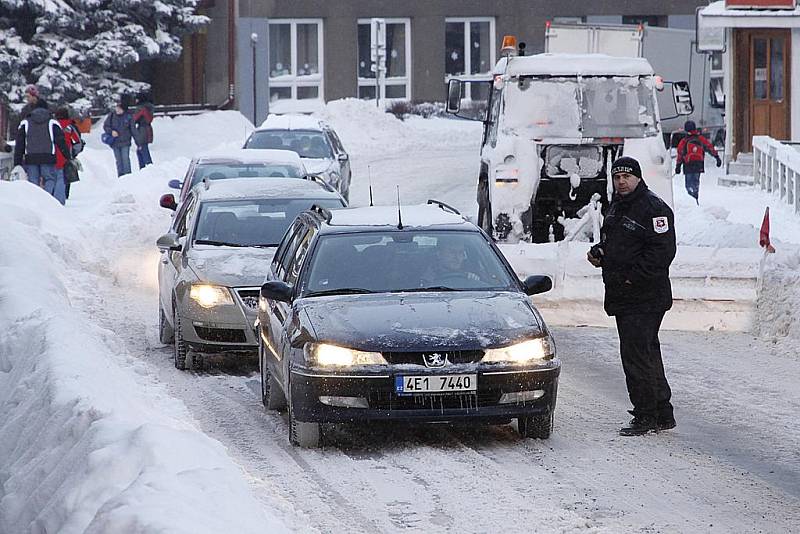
(100, 433)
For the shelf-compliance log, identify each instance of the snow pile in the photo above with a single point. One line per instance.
(89, 441)
(778, 306)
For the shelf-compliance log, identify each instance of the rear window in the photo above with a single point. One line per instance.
(307, 143)
(222, 171)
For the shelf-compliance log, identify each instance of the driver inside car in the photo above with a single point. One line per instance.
(448, 266)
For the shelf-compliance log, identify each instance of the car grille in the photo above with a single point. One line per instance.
(249, 297)
(437, 402)
(221, 335)
(419, 358)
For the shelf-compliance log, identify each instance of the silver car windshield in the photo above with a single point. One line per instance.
(251, 223)
(222, 171)
(575, 107)
(307, 143)
(376, 262)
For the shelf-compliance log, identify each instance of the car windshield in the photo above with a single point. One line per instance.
(251, 223)
(570, 107)
(222, 171)
(405, 261)
(307, 143)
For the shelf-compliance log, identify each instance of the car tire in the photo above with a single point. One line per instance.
(197, 361)
(166, 334)
(272, 396)
(181, 349)
(536, 426)
(303, 434)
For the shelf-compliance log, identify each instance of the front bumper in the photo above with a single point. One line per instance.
(376, 392)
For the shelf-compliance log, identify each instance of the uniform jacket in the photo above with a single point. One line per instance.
(38, 139)
(71, 137)
(143, 119)
(638, 243)
(123, 125)
(693, 167)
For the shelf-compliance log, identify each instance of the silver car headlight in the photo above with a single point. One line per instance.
(208, 296)
(325, 355)
(529, 351)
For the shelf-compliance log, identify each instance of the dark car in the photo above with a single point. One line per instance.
(367, 314)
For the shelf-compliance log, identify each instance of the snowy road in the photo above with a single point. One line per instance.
(731, 465)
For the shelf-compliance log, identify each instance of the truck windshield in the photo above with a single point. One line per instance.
(569, 107)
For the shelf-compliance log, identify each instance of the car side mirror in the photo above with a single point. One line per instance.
(683, 98)
(453, 96)
(168, 242)
(535, 284)
(175, 184)
(168, 201)
(277, 290)
(343, 157)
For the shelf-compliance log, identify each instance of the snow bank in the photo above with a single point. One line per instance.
(89, 441)
(778, 305)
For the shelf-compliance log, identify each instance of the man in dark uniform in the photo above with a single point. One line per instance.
(636, 248)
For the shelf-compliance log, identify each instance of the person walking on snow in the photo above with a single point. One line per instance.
(39, 139)
(692, 156)
(143, 123)
(119, 125)
(32, 101)
(636, 248)
(71, 138)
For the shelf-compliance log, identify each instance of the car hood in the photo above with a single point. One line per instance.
(317, 166)
(231, 266)
(466, 320)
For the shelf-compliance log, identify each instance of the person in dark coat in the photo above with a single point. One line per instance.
(691, 158)
(143, 123)
(119, 124)
(39, 137)
(71, 137)
(33, 100)
(636, 248)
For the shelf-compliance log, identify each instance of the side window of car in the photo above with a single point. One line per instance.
(182, 220)
(289, 250)
(293, 269)
(334, 142)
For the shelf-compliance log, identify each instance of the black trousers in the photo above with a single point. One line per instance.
(648, 388)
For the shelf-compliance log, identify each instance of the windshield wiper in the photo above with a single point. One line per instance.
(216, 243)
(434, 288)
(340, 291)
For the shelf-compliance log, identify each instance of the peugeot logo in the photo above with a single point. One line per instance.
(434, 359)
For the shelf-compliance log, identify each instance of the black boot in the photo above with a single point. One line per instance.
(640, 425)
(666, 423)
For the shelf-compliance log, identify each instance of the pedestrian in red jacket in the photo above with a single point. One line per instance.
(692, 156)
(72, 138)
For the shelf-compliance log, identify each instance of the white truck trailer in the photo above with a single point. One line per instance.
(670, 51)
(554, 125)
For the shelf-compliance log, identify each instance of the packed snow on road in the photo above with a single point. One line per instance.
(100, 433)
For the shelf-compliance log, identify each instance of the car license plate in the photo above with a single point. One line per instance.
(409, 385)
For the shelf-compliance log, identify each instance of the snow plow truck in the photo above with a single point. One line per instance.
(553, 126)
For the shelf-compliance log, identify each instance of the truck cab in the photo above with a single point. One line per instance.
(554, 125)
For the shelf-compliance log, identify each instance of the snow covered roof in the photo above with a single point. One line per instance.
(716, 15)
(252, 155)
(291, 122)
(234, 188)
(419, 215)
(573, 64)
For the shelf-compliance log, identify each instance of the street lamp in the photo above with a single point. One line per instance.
(253, 43)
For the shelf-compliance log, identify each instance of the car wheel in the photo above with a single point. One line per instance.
(181, 349)
(197, 361)
(303, 434)
(271, 395)
(536, 426)
(166, 334)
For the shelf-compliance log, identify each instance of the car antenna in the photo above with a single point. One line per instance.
(369, 170)
(399, 215)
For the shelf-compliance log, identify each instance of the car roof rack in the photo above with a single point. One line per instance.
(324, 212)
(443, 206)
(318, 179)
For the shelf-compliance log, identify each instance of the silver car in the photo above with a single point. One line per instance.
(314, 140)
(215, 258)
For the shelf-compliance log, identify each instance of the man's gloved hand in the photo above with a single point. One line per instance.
(18, 173)
(77, 164)
(719, 162)
(678, 168)
(595, 255)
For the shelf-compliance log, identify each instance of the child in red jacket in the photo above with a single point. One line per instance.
(692, 156)
(72, 138)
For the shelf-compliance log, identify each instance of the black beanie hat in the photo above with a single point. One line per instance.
(626, 164)
(689, 126)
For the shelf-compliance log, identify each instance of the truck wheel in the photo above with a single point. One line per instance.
(536, 426)
(271, 395)
(166, 334)
(180, 345)
(303, 434)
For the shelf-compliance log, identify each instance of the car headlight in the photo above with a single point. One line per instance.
(325, 355)
(209, 296)
(532, 350)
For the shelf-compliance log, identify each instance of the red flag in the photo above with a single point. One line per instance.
(764, 236)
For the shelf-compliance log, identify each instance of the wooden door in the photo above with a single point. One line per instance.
(770, 55)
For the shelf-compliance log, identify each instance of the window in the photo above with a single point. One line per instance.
(469, 45)
(647, 20)
(295, 59)
(397, 81)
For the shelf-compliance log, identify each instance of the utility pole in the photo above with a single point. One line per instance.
(378, 55)
(253, 44)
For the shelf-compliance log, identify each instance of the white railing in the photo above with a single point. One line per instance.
(6, 164)
(776, 169)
